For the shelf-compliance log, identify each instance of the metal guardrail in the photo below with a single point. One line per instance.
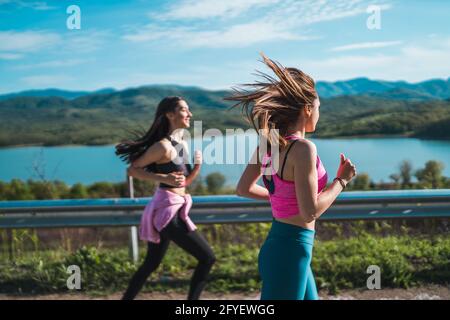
(217, 209)
(220, 209)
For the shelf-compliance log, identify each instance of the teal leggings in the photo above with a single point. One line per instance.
(284, 263)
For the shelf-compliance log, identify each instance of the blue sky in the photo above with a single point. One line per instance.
(215, 43)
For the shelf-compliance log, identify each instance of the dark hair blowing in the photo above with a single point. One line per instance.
(130, 150)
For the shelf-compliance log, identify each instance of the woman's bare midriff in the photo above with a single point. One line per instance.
(179, 191)
(298, 221)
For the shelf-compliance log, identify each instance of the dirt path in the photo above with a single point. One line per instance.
(431, 292)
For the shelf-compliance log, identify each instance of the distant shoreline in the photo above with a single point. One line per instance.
(370, 136)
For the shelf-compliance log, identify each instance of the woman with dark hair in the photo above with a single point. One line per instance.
(284, 110)
(158, 156)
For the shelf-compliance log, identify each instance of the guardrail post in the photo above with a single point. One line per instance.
(9, 233)
(133, 244)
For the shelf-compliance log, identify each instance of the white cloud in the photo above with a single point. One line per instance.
(35, 5)
(366, 45)
(26, 41)
(264, 21)
(414, 62)
(210, 75)
(236, 36)
(10, 56)
(52, 64)
(137, 79)
(299, 13)
(15, 45)
(201, 9)
(85, 41)
(153, 32)
(40, 81)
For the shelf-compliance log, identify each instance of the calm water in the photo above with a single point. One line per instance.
(71, 164)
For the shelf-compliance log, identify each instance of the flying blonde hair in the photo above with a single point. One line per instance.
(275, 103)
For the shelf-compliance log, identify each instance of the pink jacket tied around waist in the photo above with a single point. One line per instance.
(160, 210)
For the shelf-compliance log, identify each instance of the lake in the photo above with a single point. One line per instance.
(379, 157)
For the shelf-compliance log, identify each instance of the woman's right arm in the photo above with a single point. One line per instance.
(153, 154)
(247, 185)
(312, 205)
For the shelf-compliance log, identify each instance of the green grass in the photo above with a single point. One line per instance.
(337, 264)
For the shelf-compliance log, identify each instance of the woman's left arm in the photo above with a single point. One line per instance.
(247, 186)
(197, 165)
(194, 173)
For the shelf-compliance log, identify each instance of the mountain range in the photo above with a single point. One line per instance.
(108, 116)
(67, 94)
(430, 89)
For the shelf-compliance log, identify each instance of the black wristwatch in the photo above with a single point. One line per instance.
(341, 181)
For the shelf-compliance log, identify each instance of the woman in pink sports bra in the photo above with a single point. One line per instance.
(297, 190)
(283, 198)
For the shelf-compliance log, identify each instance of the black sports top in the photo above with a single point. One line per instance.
(170, 166)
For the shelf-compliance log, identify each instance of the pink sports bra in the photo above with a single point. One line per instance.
(282, 194)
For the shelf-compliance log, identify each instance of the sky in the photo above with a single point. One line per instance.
(215, 44)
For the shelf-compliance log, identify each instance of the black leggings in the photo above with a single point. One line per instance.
(192, 242)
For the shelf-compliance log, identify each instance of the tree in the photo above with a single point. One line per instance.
(431, 175)
(78, 191)
(3, 190)
(18, 190)
(396, 178)
(447, 183)
(405, 173)
(215, 182)
(101, 190)
(197, 186)
(143, 188)
(361, 182)
(43, 190)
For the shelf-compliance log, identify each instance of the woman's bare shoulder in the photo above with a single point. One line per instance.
(162, 147)
(164, 143)
(304, 149)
